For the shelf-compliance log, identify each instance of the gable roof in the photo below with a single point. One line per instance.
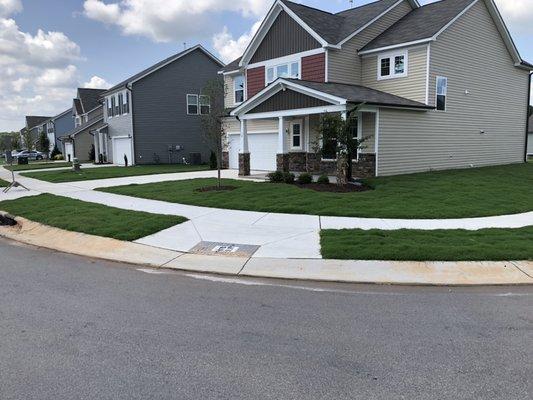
(422, 23)
(161, 64)
(88, 99)
(232, 66)
(33, 121)
(327, 28)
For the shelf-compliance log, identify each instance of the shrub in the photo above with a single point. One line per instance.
(288, 178)
(275, 177)
(55, 152)
(213, 164)
(59, 157)
(323, 179)
(305, 179)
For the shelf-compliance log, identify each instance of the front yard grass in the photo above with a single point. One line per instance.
(418, 245)
(448, 194)
(37, 165)
(87, 174)
(3, 183)
(90, 218)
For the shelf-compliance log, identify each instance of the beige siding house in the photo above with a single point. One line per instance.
(433, 87)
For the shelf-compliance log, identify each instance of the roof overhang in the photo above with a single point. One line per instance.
(282, 85)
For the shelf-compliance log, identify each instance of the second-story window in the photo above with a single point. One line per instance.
(77, 121)
(120, 104)
(192, 104)
(287, 70)
(442, 92)
(127, 103)
(238, 88)
(113, 107)
(392, 65)
(205, 105)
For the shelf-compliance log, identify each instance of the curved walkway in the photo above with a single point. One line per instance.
(277, 235)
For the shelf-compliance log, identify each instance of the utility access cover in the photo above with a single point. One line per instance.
(224, 249)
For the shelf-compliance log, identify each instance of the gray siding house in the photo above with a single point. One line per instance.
(420, 81)
(87, 112)
(34, 127)
(530, 137)
(155, 116)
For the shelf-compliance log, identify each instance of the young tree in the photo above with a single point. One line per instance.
(341, 133)
(27, 140)
(44, 143)
(15, 141)
(213, 123)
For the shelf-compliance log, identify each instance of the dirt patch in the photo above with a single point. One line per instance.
(215, 189)
(332, 188)
(7, 221)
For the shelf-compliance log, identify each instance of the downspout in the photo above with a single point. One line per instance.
(133, 162)
(527, 115)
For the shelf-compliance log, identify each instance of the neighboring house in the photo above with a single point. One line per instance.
(34, 125)
(422, 81)
(87, 112)
(155, 116)
(530, 137)
(58, 127)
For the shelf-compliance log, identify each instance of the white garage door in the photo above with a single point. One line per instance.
(263, 149)
(121, 148)
(69, 151)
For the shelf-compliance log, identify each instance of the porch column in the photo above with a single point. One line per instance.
(282, 158)
(244, 154)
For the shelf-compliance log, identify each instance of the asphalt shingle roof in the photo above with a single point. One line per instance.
(232, 66)
(92, 124)
(33, 121)
(335, 27)
(89, 98)
(422, 23)
(361, 94)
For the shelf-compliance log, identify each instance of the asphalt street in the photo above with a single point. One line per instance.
(76, 328)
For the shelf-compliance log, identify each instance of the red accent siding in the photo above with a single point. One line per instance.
(255, 80)
(314, 68)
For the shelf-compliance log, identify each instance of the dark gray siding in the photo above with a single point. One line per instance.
(288, 100)
(285, 37)
(160, 115)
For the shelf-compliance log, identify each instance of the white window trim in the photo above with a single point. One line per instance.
(243, 90)
(197, 103)
(302, 130)
(200, 104)
(437, 93)
(288, 64)
(392, 55)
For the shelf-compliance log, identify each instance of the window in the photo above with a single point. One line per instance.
(127, 103)
(205, 105)
(238, 87)
(192, 104)
(117, 106)
(442, 92)
(109, 108)
(77, 121)
(296, 135)
(287, 70)
(392, 65)
(113, 107)
(120, 104)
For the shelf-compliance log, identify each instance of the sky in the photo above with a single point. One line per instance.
(48, 48)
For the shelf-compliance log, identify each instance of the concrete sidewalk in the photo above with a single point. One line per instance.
(383, 272)
(277, 235)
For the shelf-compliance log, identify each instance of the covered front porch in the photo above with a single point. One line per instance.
(278, 129)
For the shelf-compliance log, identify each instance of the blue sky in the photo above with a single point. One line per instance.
(94, 42)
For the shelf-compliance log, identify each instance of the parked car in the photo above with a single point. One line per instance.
(32, 155)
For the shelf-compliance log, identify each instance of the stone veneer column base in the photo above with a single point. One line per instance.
(244, 164)
(282, 162)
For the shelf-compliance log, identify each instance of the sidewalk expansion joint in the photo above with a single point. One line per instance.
(520, 269)
(244, 266)
(171, 260)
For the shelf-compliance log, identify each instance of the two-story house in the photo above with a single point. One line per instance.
(88, 116)
(433, 87)
(155, 116)
(30, 134)
(58, 127)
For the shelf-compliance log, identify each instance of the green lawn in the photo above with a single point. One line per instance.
(94, 219)
(3, 183)
(38, 165)
(111, 172)
(417, 245)
(447, 194)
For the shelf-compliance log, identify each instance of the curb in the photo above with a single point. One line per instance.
(376, 272)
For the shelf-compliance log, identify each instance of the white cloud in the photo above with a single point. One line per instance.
(9, 7)
(165, 21)
(518, 14)
(97, 83)
(229, 48)
(38, 73)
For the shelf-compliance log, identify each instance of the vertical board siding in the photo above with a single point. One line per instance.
(412, 86)
(288, 100)
(255, 81)
(314, 68)
(159, 107)
(344, 65)
(232, 125)
(285, 37)
(472, 55)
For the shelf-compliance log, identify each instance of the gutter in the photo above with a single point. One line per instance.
(527, 115)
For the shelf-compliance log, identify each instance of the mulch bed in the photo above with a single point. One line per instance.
(215, 189)
(332, 188)
(7, 221)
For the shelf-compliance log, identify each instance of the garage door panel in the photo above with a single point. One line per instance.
(121, 148)
(263, 148)
(234, 148)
